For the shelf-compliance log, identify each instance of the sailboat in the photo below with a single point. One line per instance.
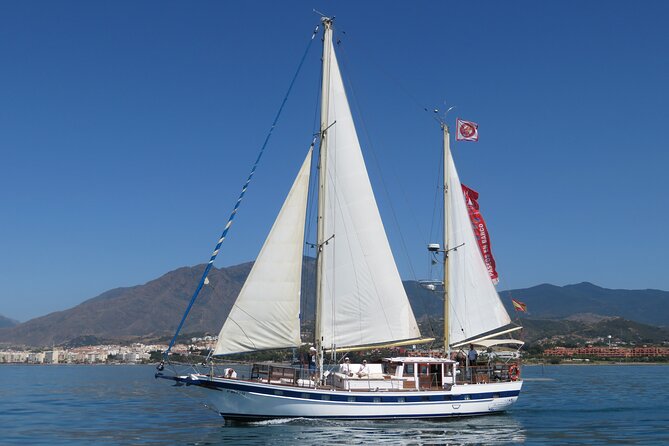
(361, 303)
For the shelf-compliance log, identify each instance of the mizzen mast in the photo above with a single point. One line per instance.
(447, 156)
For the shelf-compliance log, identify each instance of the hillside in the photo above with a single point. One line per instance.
(554, 302)
(567, 332)
(7, 322)
(153, 310)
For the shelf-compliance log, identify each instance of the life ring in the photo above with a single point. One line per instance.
(514, 373)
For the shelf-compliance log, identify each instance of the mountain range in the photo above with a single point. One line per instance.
(152, 311)
(554, 302)
(7, 322)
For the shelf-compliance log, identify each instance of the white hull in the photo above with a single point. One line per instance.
(244, 400)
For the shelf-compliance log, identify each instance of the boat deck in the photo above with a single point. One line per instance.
(301, 377)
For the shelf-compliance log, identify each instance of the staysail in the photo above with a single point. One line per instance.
(475, 307)
(266, 313)
(363, 300)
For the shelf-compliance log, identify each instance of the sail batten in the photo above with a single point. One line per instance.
(266, 312)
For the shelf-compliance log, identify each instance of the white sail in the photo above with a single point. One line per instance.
(363, 301)
(475, 306)
(266, 313)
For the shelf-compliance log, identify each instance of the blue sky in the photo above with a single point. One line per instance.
(127, 129)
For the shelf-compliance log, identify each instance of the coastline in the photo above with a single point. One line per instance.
(591, 363)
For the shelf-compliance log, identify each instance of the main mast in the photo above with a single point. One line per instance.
(447, 155)
(322, 178)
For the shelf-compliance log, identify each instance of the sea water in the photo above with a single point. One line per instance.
(74, 404)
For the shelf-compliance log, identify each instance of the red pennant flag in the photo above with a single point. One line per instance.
(480, 231)
(519, 306)
(466, 131)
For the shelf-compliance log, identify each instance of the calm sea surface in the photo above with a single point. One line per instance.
(125, 405)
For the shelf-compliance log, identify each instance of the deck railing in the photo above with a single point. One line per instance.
(295, 376)
(497, 372)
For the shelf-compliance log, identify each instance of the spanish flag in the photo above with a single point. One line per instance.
(519, 306)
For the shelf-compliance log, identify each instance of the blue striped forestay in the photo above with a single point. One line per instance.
(239, 200)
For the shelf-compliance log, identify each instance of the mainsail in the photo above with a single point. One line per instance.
(266, 313)
(363, 299)
(475, 307)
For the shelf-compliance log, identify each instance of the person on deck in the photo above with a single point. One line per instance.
(312, 360)
(364, 370)
(346, 367)
(472, 355)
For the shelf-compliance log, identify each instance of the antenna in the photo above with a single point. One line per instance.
(451, 108)
(442, 120)
(325, 16)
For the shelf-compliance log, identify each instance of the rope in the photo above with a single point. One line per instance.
(239, 200)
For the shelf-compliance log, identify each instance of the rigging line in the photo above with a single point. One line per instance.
(439, 188)
(430, 111)
(378, 167)
(387, 73)
(432, 260)
(309, 280)
(385, 189)
(241, 196)
(370, 57)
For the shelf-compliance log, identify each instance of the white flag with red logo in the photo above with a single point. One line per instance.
(466, 131)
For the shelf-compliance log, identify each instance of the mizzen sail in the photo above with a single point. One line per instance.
(475, 306)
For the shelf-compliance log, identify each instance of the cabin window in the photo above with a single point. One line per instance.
(468, 397)
(278, 392)
(408, 369)
(376, 399)
(325, 397)
(305, 396)
(495, 395)
(400, 399)
(351, 399)
(390, 369)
